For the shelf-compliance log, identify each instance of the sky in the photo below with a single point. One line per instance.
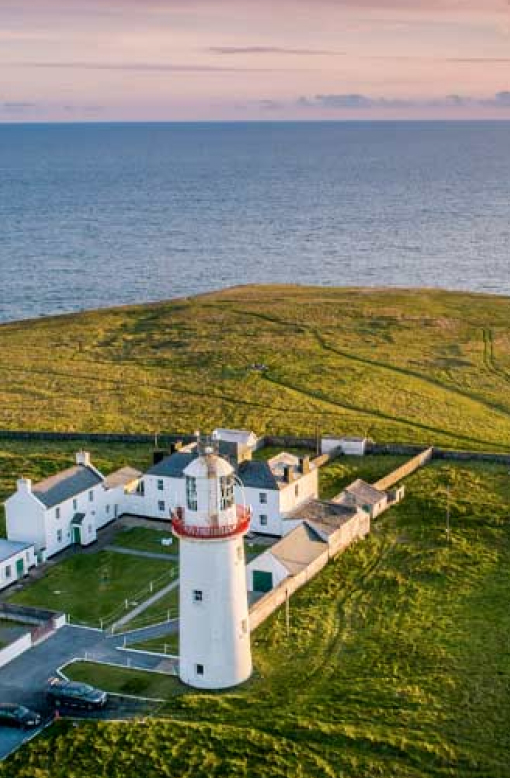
(187, 60)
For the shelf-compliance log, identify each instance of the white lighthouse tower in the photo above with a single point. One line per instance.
(214, 635)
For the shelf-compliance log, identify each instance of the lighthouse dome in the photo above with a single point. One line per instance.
(202, 467)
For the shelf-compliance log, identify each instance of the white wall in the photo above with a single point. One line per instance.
(307, 488)
(266, 563)
(58, 530)
(25, 519)
(270, 509)
(28, 558)
(215, 632)
(13, 650)
(173, 495)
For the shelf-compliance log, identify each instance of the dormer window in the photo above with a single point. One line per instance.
(57, 513)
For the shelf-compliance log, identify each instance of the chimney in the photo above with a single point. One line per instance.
(25, 485)
(83, 458)
(158, 455)
(288, 474)
(304, 465)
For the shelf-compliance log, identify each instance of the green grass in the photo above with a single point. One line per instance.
(91, 587)
(146, 539)
(164, 645)
(415, 365)
(167, 606)
(397, 664)
(334, 477)
(118, 680)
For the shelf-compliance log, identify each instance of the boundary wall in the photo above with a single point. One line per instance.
(404, 470)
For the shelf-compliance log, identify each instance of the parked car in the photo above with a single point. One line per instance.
(13, 715)
(72, 694)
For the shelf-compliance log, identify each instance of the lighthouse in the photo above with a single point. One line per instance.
(214, 639)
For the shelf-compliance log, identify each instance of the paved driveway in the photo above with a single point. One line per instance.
(23, 680)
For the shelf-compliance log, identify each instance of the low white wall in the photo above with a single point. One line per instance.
(15, 649)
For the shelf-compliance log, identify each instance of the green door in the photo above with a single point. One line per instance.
(262, 581)
(76, 535)
(20, 568)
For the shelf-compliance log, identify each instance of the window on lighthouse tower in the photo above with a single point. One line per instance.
(227, 491)
(191, 493)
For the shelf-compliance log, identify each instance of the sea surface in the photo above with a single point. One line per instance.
(101, 215)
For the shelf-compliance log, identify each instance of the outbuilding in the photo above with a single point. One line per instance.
(16, 558)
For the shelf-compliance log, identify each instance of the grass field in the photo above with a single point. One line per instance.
(397, 664)
(426, 366)
(334, 477)
(120, 681)
(92, 587)
(146, 539)
(166, 607)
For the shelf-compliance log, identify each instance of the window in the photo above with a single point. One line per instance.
(57, 513)
(75, 504)
(263, 520)
(296, 490)
(199, 669)
(91, 496)
(90, 529)
(59, 536)
(197, 595)
(263, 498)
(140, 489)
(8, 571)
(227, 491)
(160, 485)
(107, 509)
(161, 505)
(191, 493)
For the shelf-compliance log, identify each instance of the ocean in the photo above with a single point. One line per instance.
(102, 215)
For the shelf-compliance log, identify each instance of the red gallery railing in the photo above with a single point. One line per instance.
(184, 530)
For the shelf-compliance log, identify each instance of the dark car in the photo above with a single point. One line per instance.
(13, 715)
(72, 694)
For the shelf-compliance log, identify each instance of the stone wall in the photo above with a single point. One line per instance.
(405, 470)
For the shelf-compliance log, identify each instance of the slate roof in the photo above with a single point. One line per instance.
(174, 465)
(66, 484)
(323, 516)
(257, 474)
(122, 477)
(10, 547)
(298, 549)
(360, 493)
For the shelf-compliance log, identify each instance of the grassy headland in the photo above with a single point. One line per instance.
(423, 366)
(396, 664)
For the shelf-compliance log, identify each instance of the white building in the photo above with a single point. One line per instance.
(362, 495)
(214, 639)
(348, 446)
(16, 558)
(67, 508)
(162, 488)
(290, 556)
(118, 487)
(275, 488)
(244, 438)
